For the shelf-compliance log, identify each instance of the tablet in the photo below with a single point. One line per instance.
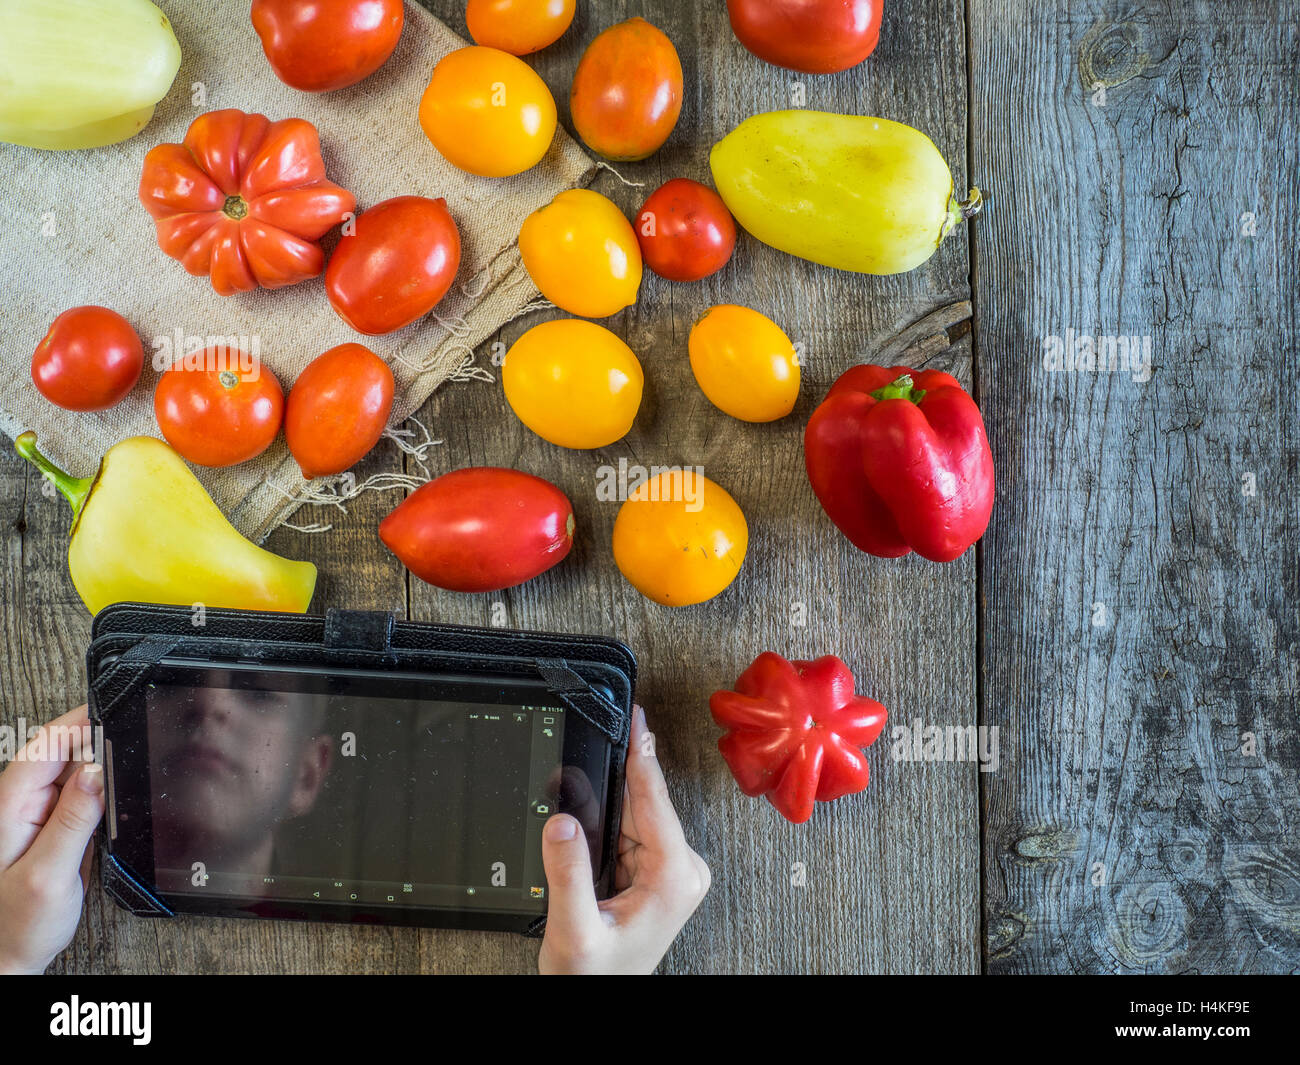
(310, 790)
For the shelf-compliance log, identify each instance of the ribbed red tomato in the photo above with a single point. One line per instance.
(812, 36)
(480, 529)
(318, 45)
(796, 732)
(243, 200)
(395, 268)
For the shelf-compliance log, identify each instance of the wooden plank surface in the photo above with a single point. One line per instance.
(1141, 576)
(786, 898)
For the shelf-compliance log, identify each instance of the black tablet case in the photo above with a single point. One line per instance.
(142, 634)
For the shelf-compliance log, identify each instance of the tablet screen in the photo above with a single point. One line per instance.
(341, 797)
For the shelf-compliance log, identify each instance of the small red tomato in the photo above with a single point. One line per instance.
(685, 231)
(627, 91)
(318, 45)
(218, 407)
(480, 529)
(395, 268)
(89, 360)
(337, 409)
(813, 36)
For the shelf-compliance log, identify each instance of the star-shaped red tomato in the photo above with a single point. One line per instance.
(796, 732)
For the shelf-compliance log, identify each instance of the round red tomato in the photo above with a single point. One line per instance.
(89, 360)
(327, 44)
(396, 266)
(337, 409)
(685, 231)
(627, 91)
(813, 36)
(218, 407)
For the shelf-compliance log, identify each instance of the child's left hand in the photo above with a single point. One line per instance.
(49, 808)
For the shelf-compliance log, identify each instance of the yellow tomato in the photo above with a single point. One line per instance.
(582, 253)
(518, 26)
(488, 112)
(573, 383)
(744, 363)
(680, 539)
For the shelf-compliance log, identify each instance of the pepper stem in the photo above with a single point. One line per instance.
(972, 205)
(900, 388)
(74, 489)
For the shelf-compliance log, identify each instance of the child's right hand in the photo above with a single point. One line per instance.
(48, 812)
(659, 879)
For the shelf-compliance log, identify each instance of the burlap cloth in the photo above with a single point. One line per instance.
(73, 232)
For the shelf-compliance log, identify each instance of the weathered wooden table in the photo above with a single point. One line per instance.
(1129, 625)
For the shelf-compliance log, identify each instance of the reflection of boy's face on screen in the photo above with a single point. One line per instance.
(228, 768)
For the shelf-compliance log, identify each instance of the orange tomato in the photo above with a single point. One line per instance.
(582, 254)
(518, 26)
(488, 112)
(573, 383)
(680, 538)
(744, 363)
(218, 407)
(627, 91)
(337, 409)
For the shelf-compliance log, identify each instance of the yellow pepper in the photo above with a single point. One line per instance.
(82, 73)
(145, 530)
(848, 191)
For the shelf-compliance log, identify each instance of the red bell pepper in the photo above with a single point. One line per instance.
(795, 732)
(900, 462)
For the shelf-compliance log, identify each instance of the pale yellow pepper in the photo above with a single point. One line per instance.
(144, 530)
(848, 191)
(82, 73)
